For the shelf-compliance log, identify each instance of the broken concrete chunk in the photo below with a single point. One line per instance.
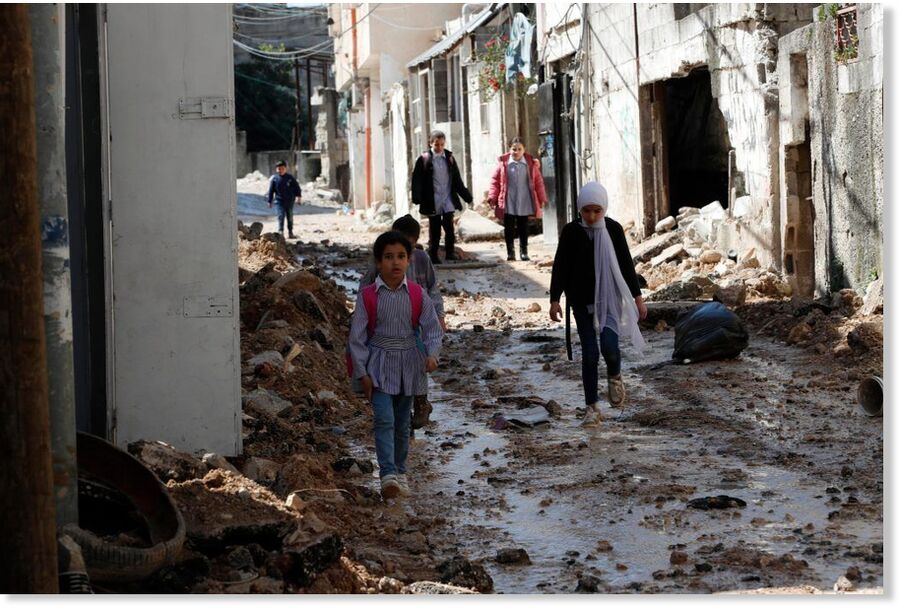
(674, 252)
(513, 556)
(651, 247)
(713, 211)
(460, 571)
(261, 470)
(167, 462)
(215, 460)
(710, 257)
(298, 280)
(306, 302)
(267, 401)
(873, 303)
(294, 502)
(665, 225)
(717, 502)
(534, 308)
(731, 293)
(426, 587)
(273, 358)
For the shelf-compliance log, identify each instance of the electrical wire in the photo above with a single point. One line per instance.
(299, 53)
(274, 85)
(408, 27)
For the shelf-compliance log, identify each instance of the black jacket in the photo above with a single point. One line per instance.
(573, 266)
(423, 186)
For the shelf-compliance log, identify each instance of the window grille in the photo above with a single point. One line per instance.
(846, 39)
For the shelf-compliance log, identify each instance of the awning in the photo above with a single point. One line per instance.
(446, 45)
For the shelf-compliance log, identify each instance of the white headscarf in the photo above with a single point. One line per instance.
(611, 292)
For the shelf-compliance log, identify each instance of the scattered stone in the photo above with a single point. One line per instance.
(274, 358)
(665, 225)
(306, 302)
(498, 312)
(459, 571)
(167, 462)
(240, 559)
(477, 328)
(426, 587)
(661, 326)
(800, 333)
(604, 546)
(710, 257)
(717, 502)
(651, 247)
(844, 585)
(389, 585)
(674, 252)
(217, 461)
(677, 557)
(703, 567)
(534, 308)
(587, 584)
(554, 408)
(513, 556)
(261, 470)
(873, 303)
(266, 401)
(294, 502)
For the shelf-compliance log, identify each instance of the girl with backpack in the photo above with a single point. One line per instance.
(594, 269)
(517, 192)
(395, 338)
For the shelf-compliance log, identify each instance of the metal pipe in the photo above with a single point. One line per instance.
(47, 26)
(27, 527)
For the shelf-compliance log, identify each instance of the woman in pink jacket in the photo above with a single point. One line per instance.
(517, 192)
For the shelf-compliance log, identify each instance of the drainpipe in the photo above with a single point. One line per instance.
(47, 27)
(368, 99)
(28, 524)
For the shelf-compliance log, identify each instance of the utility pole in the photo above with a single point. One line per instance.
(309, 125)
(28, 524)
(299, 108)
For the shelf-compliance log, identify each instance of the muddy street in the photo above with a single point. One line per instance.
(625, 508)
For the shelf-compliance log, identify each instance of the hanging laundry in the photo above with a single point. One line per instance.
(518, 54)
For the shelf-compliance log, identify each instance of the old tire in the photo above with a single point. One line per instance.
(105, 561)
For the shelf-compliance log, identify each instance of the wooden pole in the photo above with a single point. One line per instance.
(28, 522)
(309, 126)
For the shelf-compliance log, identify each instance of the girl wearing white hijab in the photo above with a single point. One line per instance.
(593, 267)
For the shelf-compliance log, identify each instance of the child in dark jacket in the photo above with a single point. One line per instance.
(517, 192)
(422, 272)
(437, 187)
(594, 269)
(388, 358)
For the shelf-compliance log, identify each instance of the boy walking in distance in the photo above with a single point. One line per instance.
(436, 189)
(284, 189)
(388, 358)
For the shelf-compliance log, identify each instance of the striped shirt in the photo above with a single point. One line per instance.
(420, 270)
(440, 180)
(391, 358)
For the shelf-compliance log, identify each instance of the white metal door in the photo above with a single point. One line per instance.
(175, 349)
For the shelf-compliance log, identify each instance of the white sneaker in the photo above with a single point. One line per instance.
(591, 416)
(390, 487)
(404, 484)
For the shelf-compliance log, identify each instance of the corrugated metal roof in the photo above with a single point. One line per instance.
(447, 44)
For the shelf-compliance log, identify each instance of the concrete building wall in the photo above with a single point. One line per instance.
(737, 42)
(486, 136)
(841, 102)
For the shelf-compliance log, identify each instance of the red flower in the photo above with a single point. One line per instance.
(502, 67)
(505, 37)
(496, 85)
(520, 76)
(489, 43)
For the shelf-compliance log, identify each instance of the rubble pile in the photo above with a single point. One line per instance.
(682, 261)
(296, 511)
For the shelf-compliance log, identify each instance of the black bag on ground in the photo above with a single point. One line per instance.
(709, 331)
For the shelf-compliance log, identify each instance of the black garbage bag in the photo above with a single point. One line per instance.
(709, 331)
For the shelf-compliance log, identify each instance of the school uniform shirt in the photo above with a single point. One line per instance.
(443, 204)
(420, 270)
(518, 193)
(391, 356)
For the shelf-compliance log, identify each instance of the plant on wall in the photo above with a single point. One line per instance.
(492, 76)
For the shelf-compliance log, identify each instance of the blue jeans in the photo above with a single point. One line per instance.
(590, 354)
(285, 210)
(392, 414)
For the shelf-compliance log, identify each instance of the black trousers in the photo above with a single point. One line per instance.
(513, 225)
(435, 223)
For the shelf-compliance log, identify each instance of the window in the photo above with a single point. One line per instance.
(846, 39)
(438, 94)
(485, 116)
